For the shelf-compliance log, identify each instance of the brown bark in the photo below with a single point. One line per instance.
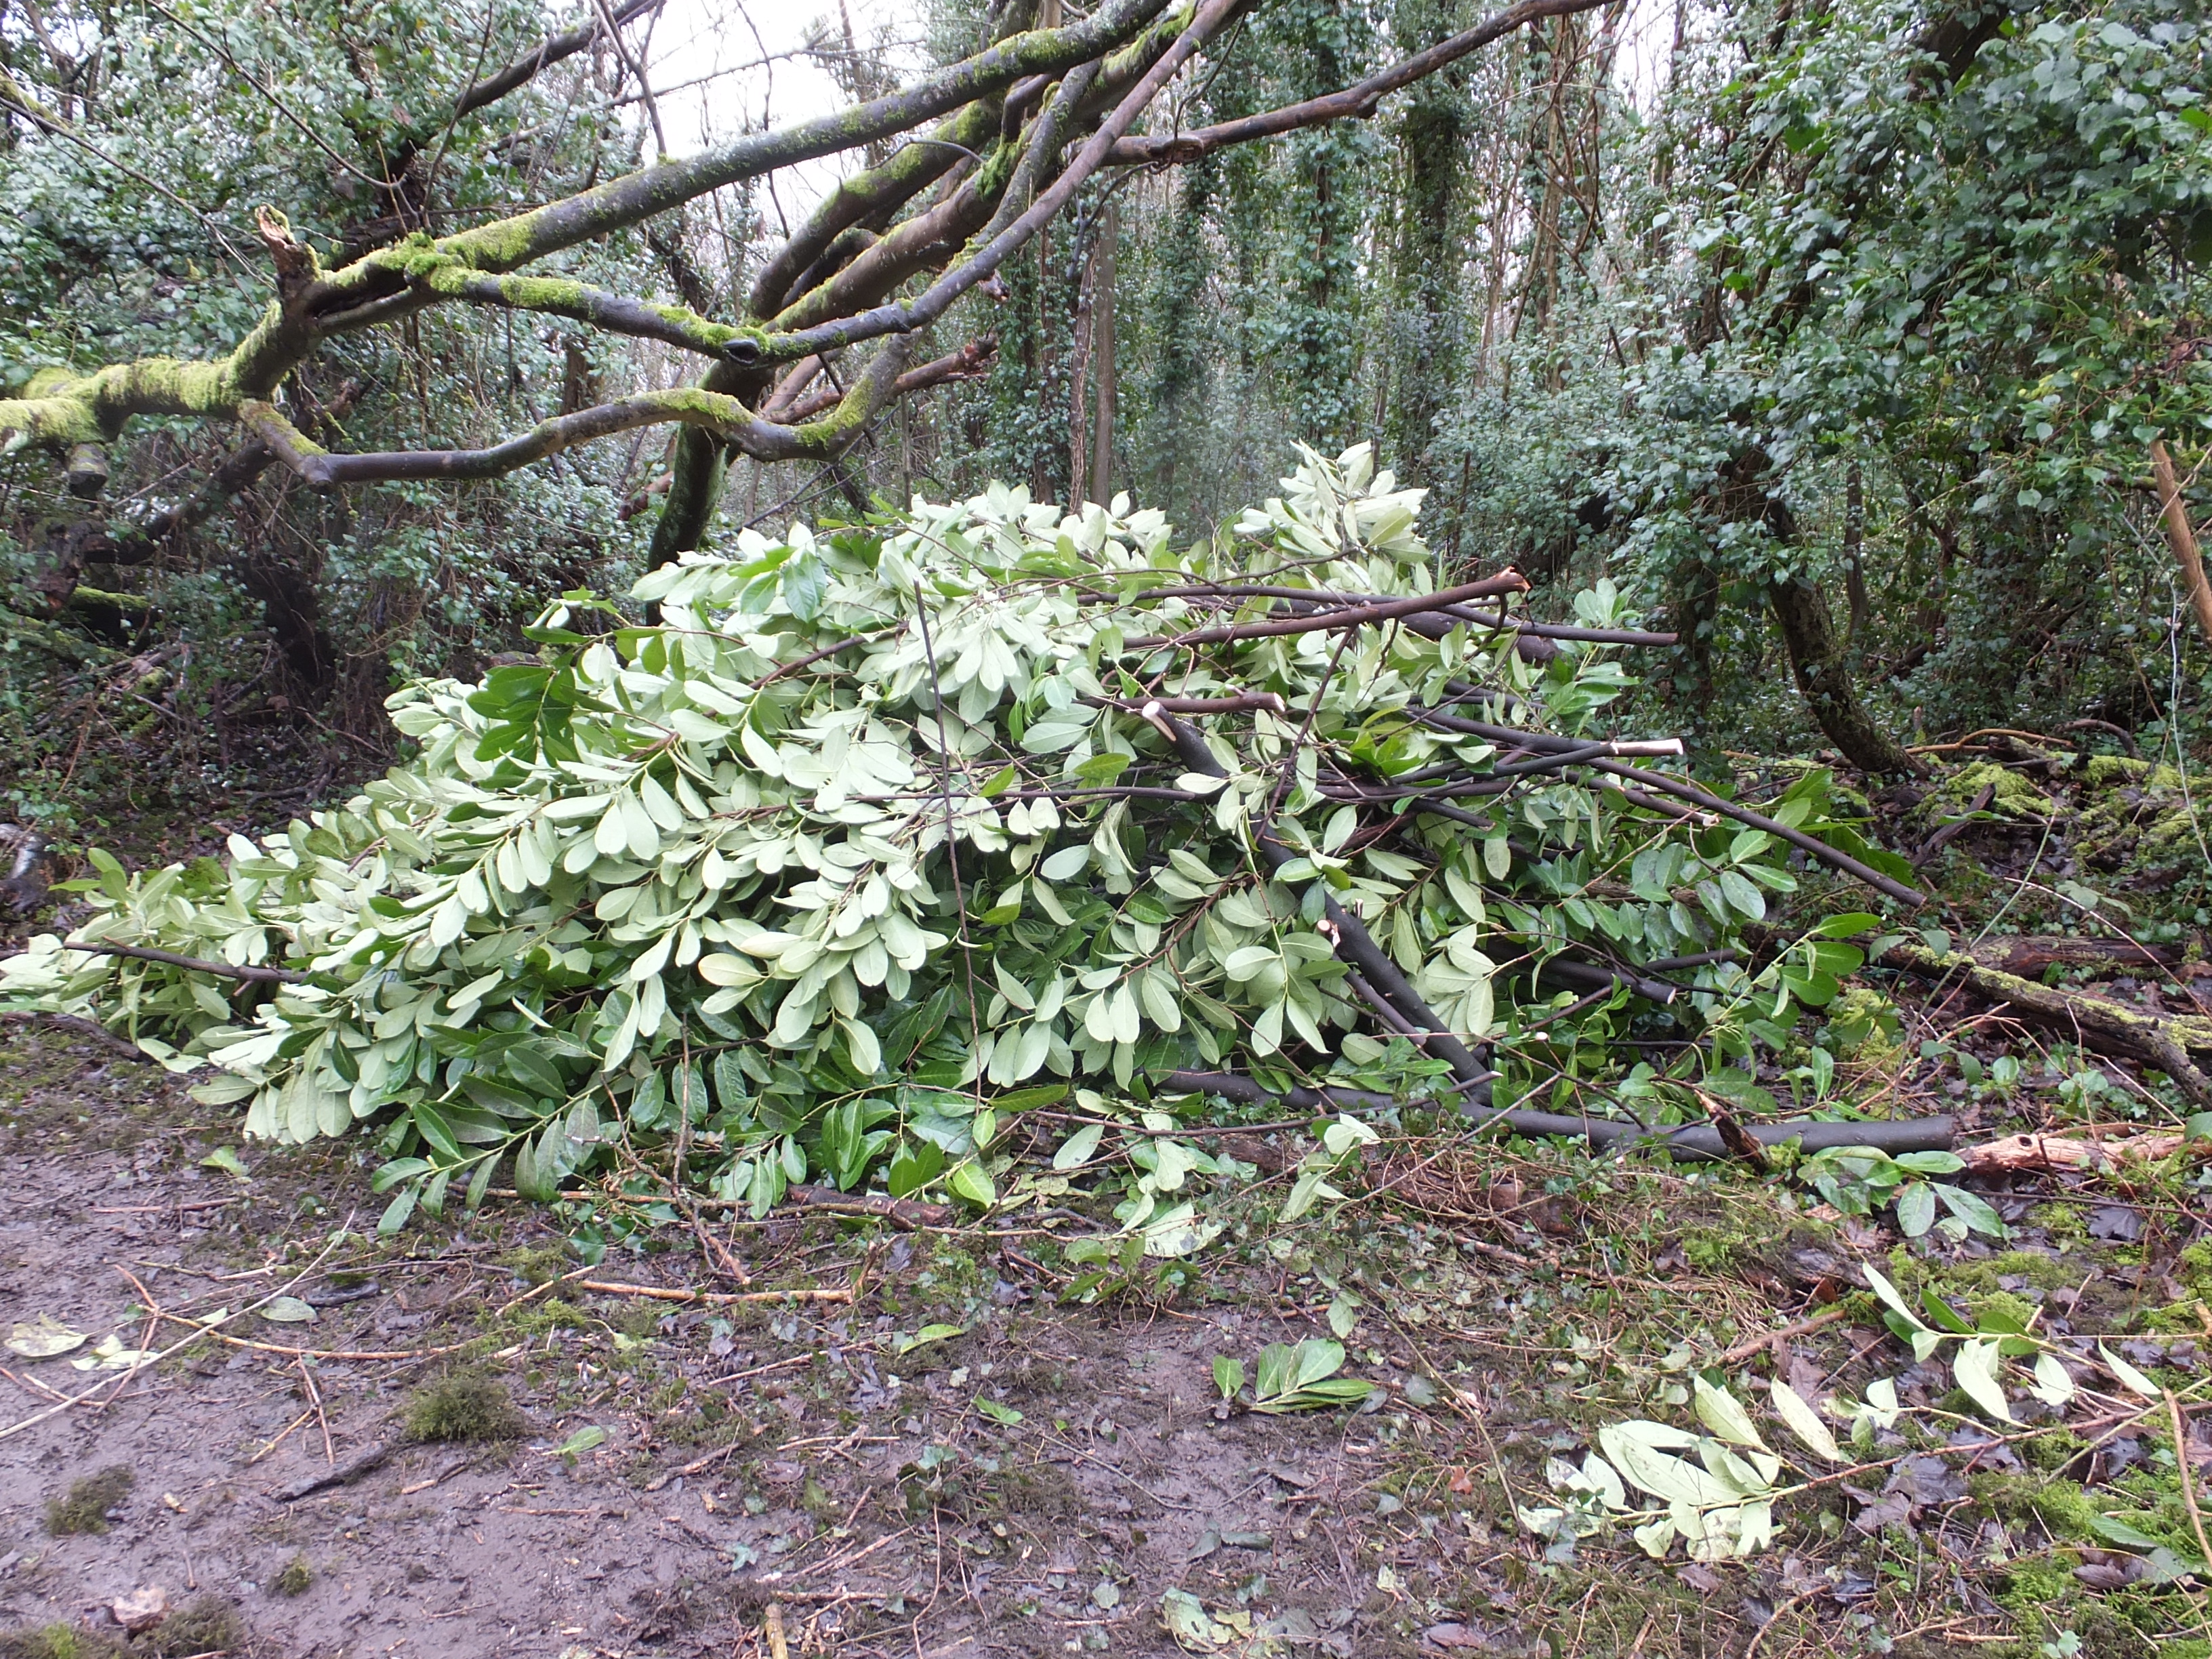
(1817, 661)
(2180, 537)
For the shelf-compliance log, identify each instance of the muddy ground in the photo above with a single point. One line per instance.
(1042, 1482)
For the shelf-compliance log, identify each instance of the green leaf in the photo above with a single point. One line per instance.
(434, 1130)
(1976, 1368)
(1079, 1148)
(972, 1181)
(582, 1441)
(226, 1158)
(1721, 1411)
(1798, 1416)
(997, 1411)
(1888, 1293)
(1228, 1374)
(1849, 925)
(2129, 1379)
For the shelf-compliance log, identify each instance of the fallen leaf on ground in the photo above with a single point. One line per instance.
(142, 1609)
(42, 1338)
(109, 1354)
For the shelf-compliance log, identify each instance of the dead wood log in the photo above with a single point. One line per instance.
(2016, 1153)
(2029, 955)
(2162, 1041)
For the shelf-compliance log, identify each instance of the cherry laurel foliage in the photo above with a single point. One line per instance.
(1721, 1506)
(866, 847)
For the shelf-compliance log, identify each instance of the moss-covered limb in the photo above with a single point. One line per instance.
(617, 313)
(723, 419)
(63, 411)
(511, 243)
(43, 635)
(873, 194)
(2160, 1041)
(279, 436)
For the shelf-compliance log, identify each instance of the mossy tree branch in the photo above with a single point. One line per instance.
(1001, 120)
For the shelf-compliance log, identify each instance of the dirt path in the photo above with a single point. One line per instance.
(958, 1462)
(1035, 1485)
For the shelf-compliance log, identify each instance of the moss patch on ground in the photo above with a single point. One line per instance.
(466, 1408)
(86, 1508)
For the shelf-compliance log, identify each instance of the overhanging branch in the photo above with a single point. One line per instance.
(531, 64)
(725, 418)
(1352, 103)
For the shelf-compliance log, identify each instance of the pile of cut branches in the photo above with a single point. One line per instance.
(880, 846)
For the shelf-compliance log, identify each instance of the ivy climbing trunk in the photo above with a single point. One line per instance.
(1102, 331)
(1428, 264)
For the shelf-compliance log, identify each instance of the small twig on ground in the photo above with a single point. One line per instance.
(322, 1418)
(1752, 1345)
(777, 1647)
(717, 1298)
(286, 1434)
(467, 1459)
(696, 1466)
(2188, 1479)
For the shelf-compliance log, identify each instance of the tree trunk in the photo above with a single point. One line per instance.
(2180, 537)
(1428, 266)
(1816, 659)
(1101, 335)
(1854, 586)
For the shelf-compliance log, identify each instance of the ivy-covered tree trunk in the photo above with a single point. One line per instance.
(1428, 264)
(1817, 661)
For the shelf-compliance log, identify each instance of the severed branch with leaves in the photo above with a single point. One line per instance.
(876, 857)
(985, 153)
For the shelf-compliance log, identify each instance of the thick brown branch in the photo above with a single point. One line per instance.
(251, 975)
(1353, 103)
(1507, 581)
(552, 50)
(964, 364)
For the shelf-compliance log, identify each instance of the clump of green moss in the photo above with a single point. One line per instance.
(85, 1508)
(2011, 795)
(463, 1407)
(294, 1578)
(210, 1624)
(2195, 1269)
(55, 1641)
(535, 1263)
(552, 1314)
